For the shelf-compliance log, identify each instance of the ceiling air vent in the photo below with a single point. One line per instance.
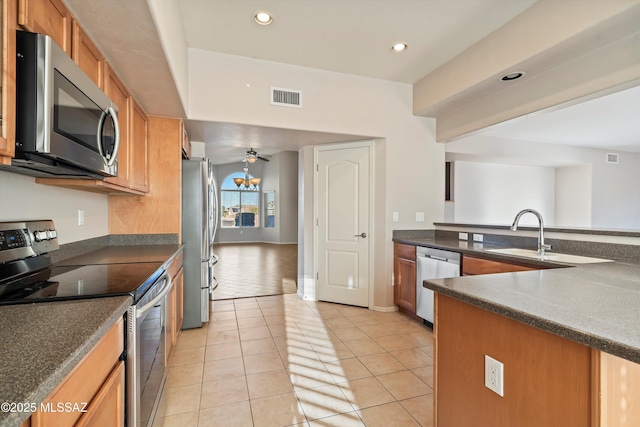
(286, 97)
(612, 158)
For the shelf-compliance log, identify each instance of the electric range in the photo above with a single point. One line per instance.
(27, 274)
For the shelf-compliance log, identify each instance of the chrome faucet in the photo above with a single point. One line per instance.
(541, 246)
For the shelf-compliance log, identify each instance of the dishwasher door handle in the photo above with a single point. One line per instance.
(438, 258)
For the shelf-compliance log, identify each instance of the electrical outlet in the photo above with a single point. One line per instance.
(478, 237)
(419, 216)
(494, 375)
(80, 217)
(463, 236)
(395, 217)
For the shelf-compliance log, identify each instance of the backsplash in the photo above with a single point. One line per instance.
(606, 250)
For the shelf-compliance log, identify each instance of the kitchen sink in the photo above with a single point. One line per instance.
(548, 256)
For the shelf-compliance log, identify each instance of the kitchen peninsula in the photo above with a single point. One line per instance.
(568, 338)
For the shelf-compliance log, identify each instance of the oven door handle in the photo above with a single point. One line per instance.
(141, 311)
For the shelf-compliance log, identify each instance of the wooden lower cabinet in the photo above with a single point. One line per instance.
(96, 385)
(175, 310)
(107, 408)
(548, 380)
(404, 293)
(616, 392)
(174, 322)
(472, 266)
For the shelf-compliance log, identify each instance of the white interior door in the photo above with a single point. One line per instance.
(343, 207)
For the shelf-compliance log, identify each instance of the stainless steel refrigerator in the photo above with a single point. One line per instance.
(199, 224)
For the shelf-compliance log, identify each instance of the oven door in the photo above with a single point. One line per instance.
(146, 353)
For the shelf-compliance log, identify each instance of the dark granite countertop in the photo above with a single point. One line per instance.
(43, 342)
(592, 304)
(127, 254)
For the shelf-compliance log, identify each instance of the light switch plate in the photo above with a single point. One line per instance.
(395, 217)
(419, 216)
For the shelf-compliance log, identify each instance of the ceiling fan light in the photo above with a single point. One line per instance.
(251, 158)
(238, 181)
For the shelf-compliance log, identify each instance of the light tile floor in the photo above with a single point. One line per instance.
(255, 269)
(281, 361)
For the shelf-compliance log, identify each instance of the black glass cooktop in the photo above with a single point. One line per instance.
(79, 282)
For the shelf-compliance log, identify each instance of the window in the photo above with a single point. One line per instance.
(240, 207)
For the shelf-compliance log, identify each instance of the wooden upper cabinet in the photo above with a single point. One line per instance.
(49, 17)
(8, 89)
(138, 151)
(86, 55)
(117, 92)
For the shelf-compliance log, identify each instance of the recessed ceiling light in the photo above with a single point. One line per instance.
(399, 47)
(263, 18)
(512, 76)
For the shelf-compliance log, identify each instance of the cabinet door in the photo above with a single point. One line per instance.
(138, 171)
(117, 92)
(8, 89)
(87, 55)
(406, 284)
(85, 381)
(171, 320)
(107, 408)
(472, 266)
(404, 294)
(49, 17)
(178, 282)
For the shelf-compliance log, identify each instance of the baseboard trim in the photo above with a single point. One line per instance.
(385, 309)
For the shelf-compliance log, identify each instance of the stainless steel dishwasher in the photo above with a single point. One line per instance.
(432, 264)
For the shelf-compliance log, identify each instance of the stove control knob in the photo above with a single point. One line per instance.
(39, 235)
(53, 234)
(49, 235)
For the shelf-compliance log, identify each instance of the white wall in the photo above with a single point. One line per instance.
(494, 194)
(233, 89)
(21, 198)
(573, 196)
(615, 201)
(281, 176)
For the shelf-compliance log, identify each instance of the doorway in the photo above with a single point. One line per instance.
(255, 269)
(343, 223)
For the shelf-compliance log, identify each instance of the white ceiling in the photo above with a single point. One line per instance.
(347, 36)
(608, 122)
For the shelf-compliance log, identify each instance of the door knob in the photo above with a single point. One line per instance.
(363, 235)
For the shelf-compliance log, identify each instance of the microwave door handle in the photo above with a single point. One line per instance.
(116, 128)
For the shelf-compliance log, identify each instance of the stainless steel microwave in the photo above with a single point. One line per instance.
(66, 126)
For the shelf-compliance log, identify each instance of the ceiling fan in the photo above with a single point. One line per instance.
(251, 156)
